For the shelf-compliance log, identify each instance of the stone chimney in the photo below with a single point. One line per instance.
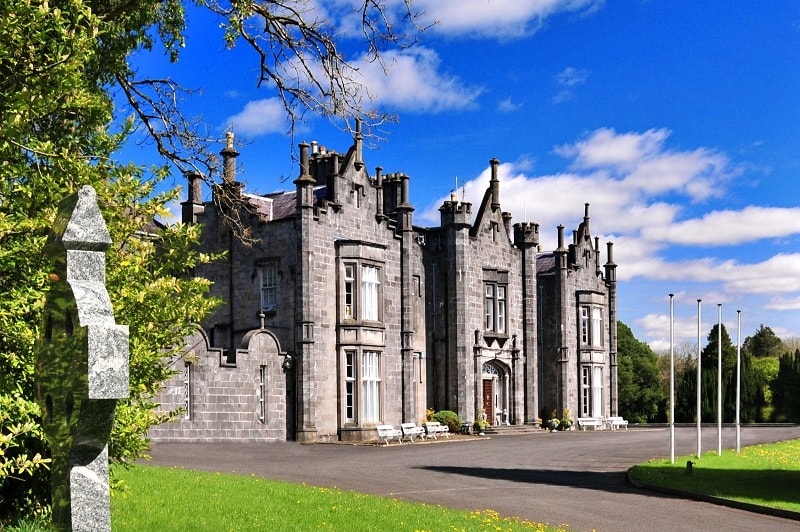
(611, 267)
(193, 206)
(495, 185)
(304, 182)
(229, 155)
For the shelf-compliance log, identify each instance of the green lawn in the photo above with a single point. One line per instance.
(163, 499)
(766, 475)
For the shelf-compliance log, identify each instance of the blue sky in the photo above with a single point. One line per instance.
(678, 121)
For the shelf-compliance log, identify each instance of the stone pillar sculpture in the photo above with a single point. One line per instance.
(81, 367)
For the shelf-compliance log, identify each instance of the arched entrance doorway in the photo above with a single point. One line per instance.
(494, 392)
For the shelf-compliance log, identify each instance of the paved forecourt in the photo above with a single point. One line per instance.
(574, 478)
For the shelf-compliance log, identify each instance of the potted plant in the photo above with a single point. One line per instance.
(565, 423)
(481, 424)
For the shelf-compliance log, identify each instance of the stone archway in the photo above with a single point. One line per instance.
(271, 369)
(495, 392)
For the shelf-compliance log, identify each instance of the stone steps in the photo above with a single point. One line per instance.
(508, 430)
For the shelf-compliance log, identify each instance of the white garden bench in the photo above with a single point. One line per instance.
(593, 422)
(433, 428)
(615, 422)
(387, 432)
(411, 429)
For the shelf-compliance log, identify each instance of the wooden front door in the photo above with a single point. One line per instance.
(488, 399)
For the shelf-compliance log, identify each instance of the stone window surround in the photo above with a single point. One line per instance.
(495, 282)
(358, 254)
(590, 318)
(266, 284)
(351, 360)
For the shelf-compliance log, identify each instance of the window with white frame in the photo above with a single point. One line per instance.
(349, 291)
(361, 386)
(591, 391)
(371, 386)
(591, 326)
(495, 307)
(349, 387)
(262, 391)
(597, 391)
(268, 273)
(597, 327)
(370, 285)
(362, 294)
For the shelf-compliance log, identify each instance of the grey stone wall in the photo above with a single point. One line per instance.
(431, 333)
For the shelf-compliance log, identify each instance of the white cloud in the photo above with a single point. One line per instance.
(571, 76)
(638, 189)
(260, 117)
(568, 79)
(412, 81)
(728, 227)
(497, 19)
(508, 106)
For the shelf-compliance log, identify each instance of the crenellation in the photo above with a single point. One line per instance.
(470, 315)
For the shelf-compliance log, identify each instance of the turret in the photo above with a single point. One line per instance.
(304, 182)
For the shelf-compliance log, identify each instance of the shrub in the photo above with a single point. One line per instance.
(449, 418)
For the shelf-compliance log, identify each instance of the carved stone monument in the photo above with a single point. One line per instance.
(82, 365)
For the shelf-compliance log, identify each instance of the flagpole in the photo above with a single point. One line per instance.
(738, 378)
(671, 379)
(719, 379)
(699, 384)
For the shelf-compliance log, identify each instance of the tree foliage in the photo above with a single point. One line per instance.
(54, 111)
(785, 389)
(764, 343)
(752, 399)
(60, 63)
(640, 397)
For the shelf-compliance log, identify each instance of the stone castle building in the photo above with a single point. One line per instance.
(343, 314)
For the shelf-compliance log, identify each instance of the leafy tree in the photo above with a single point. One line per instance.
(763, 343)
(752, 396)
(60, 63)
(54, 111)
(785, 396)
(640, 397)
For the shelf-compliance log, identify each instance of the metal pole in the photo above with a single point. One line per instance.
(719, 379)
(738, 378)
(671, 379)
(699, 384)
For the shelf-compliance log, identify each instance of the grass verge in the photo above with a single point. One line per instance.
(764, 475)
(164, 499)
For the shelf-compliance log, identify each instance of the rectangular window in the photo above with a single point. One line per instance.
(597, 327)
(495, 305)
(489, 304)
(586, 402)
(584, 325)
(501, 309)
(591, 391)
(349, 387)
(362, 292)
(370, 285)
(597, 391)
(269, 285)
(349, 291)
(370, 382)
(187, 391)
(262, 390)
(592, 326)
